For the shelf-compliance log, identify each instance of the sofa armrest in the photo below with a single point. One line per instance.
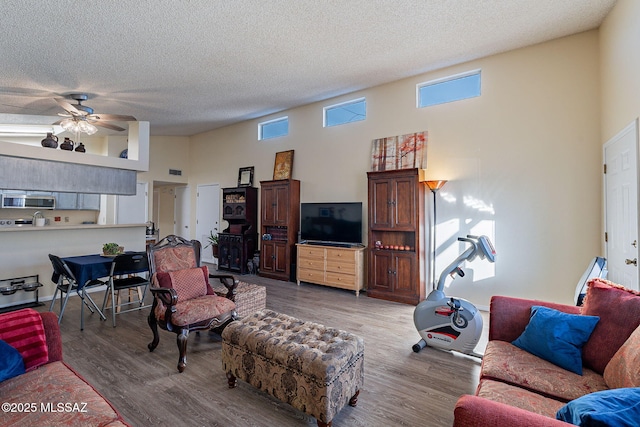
(474, 411)
(52, 332)
(509, 316)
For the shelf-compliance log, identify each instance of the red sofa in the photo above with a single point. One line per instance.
(518, 388)
(51, 393)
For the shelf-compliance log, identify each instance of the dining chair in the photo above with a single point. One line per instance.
(66, 283)
(124, 276)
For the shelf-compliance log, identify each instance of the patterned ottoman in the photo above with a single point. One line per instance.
(249, 297)
(315, 369)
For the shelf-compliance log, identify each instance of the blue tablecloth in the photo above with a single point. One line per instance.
(90, 267)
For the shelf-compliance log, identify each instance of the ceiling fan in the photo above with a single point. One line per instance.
(81, 118)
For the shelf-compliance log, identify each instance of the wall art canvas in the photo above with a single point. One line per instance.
(283, 165)
(399, 152)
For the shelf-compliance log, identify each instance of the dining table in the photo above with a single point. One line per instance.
(88, 268)
(92, 267)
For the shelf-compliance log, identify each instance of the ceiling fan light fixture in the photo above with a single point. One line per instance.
(69, 125)
(87, 127)
(74, 125)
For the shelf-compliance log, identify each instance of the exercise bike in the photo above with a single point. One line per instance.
(452, 323)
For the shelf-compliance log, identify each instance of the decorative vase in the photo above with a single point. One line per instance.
(80, 148)
(67, 144)
(214, 249)
(51, 141)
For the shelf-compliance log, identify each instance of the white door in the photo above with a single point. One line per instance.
(207, 217)
(182, 212)
(133, 209)
(621, 206)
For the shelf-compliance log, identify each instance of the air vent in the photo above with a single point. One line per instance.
(175, 172)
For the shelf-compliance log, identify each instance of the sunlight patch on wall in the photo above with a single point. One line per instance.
(478, 205)
(483, 269)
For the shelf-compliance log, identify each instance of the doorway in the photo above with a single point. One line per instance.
(207, 217)
(182, 213)
(621, 206)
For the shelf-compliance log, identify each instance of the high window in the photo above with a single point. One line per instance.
(345, 112)
(273, 128)
(449, 89)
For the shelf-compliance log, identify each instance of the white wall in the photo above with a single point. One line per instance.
(523, 161)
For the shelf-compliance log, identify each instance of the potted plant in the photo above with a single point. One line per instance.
(213, 242)
(112, 249)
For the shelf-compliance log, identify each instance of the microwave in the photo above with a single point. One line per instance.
(28, 202)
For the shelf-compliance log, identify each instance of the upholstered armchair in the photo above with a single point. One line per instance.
(183, 299)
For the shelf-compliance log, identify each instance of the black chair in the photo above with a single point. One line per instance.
(122, 277)
(66, 283)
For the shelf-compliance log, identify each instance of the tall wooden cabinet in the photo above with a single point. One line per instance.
(238, 242)
(279, 225)
(397, 247)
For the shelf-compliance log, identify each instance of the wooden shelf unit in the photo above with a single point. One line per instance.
(396, 220)
(331, 266)
(238, 242)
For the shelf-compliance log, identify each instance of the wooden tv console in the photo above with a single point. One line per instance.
(338, 267)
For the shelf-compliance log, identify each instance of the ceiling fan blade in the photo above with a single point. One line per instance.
(70, 108)
(107, 125)
(65, 115)
(57, 123)
(113, 118)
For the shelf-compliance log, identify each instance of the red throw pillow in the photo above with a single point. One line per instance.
(188, 283)
(23, 330)
(619, 312)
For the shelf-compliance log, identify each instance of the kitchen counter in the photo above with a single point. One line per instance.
(69, 227)
(24, 251)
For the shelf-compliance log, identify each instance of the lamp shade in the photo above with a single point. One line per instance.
(436, 185)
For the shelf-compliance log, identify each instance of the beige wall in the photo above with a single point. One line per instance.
(620, 65)
(165, 152)
(523, 162)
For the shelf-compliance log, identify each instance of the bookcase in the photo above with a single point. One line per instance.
(238, 242)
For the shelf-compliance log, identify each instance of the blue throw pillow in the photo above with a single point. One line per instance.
(619, 407)
(557, 337)
(11, 364)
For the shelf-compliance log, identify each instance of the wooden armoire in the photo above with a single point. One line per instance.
(279, 225)
(397, 247)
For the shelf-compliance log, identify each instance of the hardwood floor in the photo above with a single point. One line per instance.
(402, 388)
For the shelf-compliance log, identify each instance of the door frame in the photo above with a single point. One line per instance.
(178, 209)
(630, 128)
(209, 223)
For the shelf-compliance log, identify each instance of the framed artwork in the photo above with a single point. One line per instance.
(283, 165)
(400, 152)
(245, 177)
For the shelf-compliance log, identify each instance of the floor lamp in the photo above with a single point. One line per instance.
(434, 186)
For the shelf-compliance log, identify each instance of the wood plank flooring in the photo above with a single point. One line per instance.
(402, 388)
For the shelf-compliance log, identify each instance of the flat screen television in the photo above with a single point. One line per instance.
(339, 222)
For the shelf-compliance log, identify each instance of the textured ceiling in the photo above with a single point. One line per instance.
(188, 66)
